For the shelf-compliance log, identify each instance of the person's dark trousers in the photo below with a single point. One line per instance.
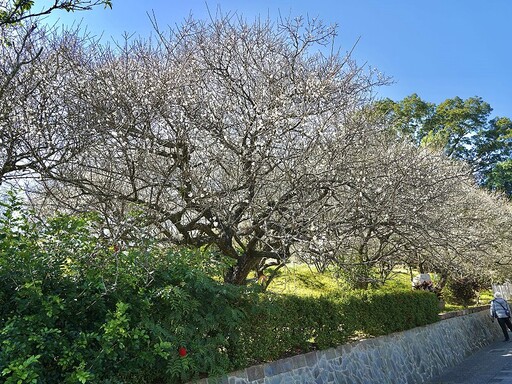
(504, 324)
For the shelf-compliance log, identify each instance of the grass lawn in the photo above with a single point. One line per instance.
(300, 280)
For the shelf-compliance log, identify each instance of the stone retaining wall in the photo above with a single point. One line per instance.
(409, 357)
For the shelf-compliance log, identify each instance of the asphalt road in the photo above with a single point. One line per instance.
(490, 365)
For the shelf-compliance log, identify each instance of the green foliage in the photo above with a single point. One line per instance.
(409, 118)
(461, 128)
(75, 310)
(461, 291)
(457, 120)
(393, 311)
(20, 371)
(284, 325)
(23, 5)
(500, 178)
(14, 11)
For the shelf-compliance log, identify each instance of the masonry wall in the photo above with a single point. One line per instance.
(410, 357)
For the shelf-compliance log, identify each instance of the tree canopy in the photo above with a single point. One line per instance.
(463, 129)
(249, 140)
(32, 133)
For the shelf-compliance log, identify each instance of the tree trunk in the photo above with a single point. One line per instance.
(237, 274)
(361, 284)
(443, 279)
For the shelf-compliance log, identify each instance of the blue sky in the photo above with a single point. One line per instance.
(438, 49)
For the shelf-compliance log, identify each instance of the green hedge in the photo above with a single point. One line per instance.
(382, 313)
(73, 310)
(283, 325)
(278, 326)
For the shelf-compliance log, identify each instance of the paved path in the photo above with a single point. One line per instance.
(490, 365)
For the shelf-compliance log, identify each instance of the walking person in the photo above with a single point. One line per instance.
(500, 310)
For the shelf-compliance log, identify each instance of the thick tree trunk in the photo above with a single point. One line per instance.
(238, 274)
(361, 284)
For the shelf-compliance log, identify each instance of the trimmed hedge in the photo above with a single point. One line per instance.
(284, 325)
(382, 313)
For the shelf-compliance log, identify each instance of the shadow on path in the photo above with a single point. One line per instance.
(490, 365)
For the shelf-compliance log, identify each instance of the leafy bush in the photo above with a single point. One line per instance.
(382, 313)
(75, 310)
(278, 326)
(462, 291)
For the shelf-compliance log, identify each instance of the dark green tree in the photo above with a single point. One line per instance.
(492, 155)
(499, 178)
(462, 129)
(411, 117)
(455, 123)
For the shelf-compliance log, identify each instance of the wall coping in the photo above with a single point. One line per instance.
(463, 312)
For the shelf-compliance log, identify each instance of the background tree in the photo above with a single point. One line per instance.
(492, 154)
(410, 118)
(461, 128)
(404, 205)
(500, 178)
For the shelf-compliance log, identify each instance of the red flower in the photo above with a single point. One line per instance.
(182, 351)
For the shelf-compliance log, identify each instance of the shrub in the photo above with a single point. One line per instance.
(75, 310)
(387, 312)
(462, 290)
(278, 325)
